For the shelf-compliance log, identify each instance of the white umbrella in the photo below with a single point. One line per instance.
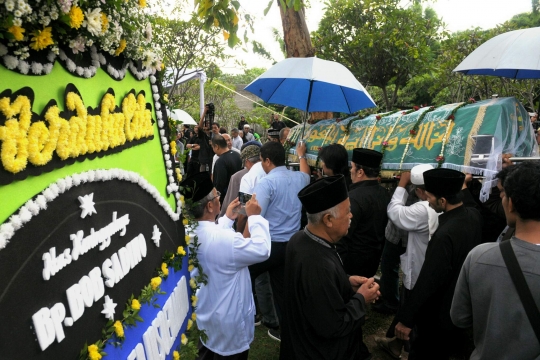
(311, 84)
(515, 54)
(183, 117)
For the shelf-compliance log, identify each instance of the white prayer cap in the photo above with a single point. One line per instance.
(417, 173)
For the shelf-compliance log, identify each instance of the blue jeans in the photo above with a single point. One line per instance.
(266, 300)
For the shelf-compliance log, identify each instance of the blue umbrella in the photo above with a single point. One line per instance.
(311, 84)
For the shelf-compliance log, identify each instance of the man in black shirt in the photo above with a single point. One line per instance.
(324, 306)
(242, 123)
(227, 164)
(277, 124)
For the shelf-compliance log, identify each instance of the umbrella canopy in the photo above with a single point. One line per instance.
(183, 117)
(515, 54)
(311, 84)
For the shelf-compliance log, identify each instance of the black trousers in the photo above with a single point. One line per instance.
(275, 265)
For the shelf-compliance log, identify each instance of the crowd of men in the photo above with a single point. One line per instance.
(309, 251)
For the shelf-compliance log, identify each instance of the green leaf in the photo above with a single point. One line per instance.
(267, 9)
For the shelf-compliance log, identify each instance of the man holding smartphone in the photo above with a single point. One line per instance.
(226, 309)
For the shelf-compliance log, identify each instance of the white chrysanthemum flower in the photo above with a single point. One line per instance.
(10, 5)
(11, 62)
(169, 172)
(17, 21)
(55, 189)
(41, 201)
(23, 67)
(87, 73)
(160, 123)
(71, 66)
(148, 33)
(47, 68)
(167, 157)
(16, 222)
(49, 195)
(3, 50)
(25, 214)
(168, 163)
(91, 176)
(69, 182)
(92, 21)
(79, 70)
(37, 68)
(32, 207)
(61, 185)
(17, 13)
(166, 148)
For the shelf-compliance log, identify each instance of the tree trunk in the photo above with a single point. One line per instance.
(295, 33)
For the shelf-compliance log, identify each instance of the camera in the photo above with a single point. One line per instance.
(209, 116)
(243, 197)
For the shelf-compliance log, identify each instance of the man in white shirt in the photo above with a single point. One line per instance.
(225, 308)
(247, 134)
(237, 141)
(421, 221)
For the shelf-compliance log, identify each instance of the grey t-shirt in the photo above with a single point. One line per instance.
(486, 299)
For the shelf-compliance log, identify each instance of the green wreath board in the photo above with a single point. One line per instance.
(90, 243)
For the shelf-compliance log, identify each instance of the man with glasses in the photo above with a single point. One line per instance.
(225, 309)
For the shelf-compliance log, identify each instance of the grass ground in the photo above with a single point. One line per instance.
(265, 348)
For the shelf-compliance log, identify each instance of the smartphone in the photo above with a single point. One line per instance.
(243, 197)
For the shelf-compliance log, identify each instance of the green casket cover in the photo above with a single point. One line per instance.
(472, 141)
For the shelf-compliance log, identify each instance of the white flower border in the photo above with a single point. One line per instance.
(87, 72)
(141, 75)
(173, 186)
(12, 62)
(33, 206)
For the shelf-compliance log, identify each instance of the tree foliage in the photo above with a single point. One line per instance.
(381, 43)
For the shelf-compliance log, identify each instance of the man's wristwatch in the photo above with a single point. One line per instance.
(302, 157)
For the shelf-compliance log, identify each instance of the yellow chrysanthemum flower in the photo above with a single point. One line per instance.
(182, 198)
(185, 222)
(76, 17)
(192, 283)
(17, 32)
(104, 23)
(189, 324)
(226, 35)
(42, 39)
(194, 317)
(93, 352)
(162, 66)
(176, 355)
(155, 282)
(216, 22)
(118, 329)
(194, 300)
(173, 147)
(181, 250)
(184, 339)
(164, 269)
(121, 47)
(142, 3)
(187, 238)
(190, 268)
(135, 304)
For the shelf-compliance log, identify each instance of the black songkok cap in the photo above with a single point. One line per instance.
(367, 157)
(273, 133)
(323, 194)
(197, 186)
(443, 182)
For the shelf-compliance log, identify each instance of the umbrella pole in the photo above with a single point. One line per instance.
(307, 109)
